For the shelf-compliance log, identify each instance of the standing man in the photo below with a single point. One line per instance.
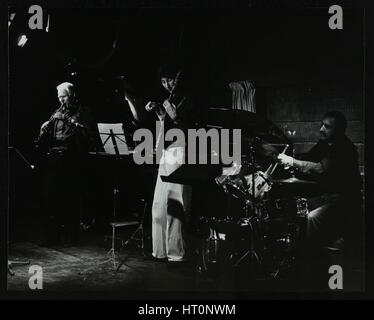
(333, 162)
(171, 201)
(65, 139)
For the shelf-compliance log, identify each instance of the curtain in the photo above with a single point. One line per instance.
(243, 95)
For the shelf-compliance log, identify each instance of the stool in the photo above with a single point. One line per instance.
(115, 225)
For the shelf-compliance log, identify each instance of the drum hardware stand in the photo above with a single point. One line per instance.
(251, 204)
(275, 275)
(252, 250)
(287, 257)
(252, 253)
(27, 262)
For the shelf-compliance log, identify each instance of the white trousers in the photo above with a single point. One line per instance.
(171, 206)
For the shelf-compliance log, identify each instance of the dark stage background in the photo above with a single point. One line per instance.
(300, 68)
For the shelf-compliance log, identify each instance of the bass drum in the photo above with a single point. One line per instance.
(224, 243)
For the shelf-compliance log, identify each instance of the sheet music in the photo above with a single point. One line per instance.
(118, 130)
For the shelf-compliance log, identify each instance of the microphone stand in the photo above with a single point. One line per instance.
(18, 262)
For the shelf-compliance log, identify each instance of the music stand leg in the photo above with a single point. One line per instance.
(111, 252)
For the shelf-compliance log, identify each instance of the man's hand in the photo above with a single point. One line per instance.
(170, 109)
(150, 106)
(285, 160)
(44, 125)
(167, 104)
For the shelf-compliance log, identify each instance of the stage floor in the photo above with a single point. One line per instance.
(88, 267)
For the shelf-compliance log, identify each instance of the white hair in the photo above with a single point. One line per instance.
(67, 86)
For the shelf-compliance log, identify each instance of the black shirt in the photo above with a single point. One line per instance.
(334, 165)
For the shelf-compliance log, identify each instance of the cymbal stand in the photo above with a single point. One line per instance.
(250, 204)
(252, 249)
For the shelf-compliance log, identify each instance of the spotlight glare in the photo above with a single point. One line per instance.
(21, 41)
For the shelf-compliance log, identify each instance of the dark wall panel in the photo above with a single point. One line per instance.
(299, 131)
(298, 111)
(310, 102)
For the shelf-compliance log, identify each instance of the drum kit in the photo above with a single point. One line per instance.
(262, 234)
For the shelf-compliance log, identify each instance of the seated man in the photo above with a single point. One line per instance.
(333, 162)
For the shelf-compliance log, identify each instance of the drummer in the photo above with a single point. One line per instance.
(333, 162)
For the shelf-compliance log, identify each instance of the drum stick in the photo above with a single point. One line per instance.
(275, 165)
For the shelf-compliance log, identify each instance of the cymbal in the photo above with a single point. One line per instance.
(229, 118)
(267, 150)
(250, 123)
(293, 181)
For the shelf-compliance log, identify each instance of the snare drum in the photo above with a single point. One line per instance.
(227, 173)
(242, 189)
(236, 187)
(231, 183)
(262, 185)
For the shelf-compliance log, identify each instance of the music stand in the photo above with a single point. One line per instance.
(113, 139)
